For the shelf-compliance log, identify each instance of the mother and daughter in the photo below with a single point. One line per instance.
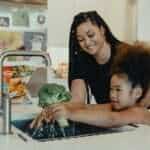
(117, 74)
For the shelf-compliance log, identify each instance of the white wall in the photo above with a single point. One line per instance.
(60, 13)
(143, 23)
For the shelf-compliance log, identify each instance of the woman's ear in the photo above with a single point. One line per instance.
(137, 92)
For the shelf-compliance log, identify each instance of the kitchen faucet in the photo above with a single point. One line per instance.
(5, 100)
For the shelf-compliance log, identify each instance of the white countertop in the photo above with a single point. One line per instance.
(136, 139)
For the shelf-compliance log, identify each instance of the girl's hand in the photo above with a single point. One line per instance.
(44, 116)
(60, 111)
(54, 112)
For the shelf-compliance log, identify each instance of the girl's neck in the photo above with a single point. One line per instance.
(104, 54)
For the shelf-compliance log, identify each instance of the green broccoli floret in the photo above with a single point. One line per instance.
(51, 93)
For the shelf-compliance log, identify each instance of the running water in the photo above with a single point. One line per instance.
(63, 132)
(52, 130)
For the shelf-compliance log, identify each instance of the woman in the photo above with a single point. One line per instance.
(92, 48)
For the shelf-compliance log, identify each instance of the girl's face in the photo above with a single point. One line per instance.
(90, 37)
(122, 94)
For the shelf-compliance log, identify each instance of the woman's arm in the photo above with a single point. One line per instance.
(78, 91)
(79, 97)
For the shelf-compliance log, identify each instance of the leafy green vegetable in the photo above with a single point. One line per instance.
(51, 93)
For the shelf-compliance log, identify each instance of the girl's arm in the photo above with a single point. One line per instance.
(110, 118)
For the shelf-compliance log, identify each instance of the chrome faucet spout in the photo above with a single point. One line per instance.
(5, 100)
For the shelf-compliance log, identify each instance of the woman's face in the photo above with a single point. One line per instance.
(90, 37)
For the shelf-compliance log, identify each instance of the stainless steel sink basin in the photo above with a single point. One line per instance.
(54, 132)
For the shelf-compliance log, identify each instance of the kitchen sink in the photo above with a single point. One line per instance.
(54, 132)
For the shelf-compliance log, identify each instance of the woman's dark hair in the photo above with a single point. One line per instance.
(95, 19)
(134, 61)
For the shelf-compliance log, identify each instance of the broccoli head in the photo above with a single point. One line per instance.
(51, 93)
